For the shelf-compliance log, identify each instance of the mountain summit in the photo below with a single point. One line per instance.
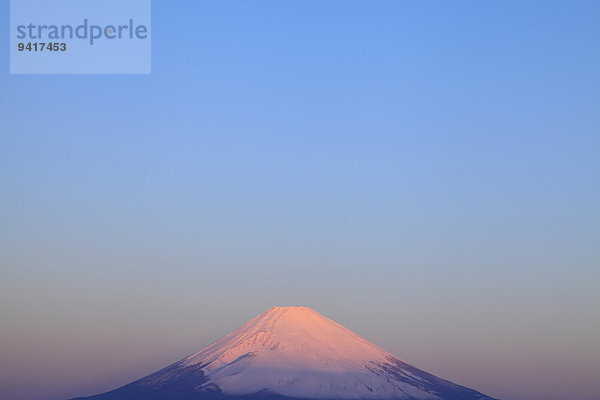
(291, 352)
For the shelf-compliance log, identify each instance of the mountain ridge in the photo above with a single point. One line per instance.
(291, 353)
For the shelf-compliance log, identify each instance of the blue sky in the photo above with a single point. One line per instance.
(424, 173)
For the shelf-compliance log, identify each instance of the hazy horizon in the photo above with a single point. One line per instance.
(425, 174)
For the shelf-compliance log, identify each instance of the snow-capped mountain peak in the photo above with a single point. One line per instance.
(297, 336)
(295, 353)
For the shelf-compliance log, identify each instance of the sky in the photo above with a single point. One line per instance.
(424, 173)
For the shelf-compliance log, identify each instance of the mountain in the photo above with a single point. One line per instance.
(291, 353)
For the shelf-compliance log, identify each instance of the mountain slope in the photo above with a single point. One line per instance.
(291, 352)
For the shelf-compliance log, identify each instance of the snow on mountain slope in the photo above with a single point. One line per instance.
(297, 352)
(299, 334)
(292, 352)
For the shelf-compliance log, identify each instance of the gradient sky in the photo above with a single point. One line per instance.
(424, 173)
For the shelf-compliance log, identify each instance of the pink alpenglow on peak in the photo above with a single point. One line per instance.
(297, 336)
(292, 352)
